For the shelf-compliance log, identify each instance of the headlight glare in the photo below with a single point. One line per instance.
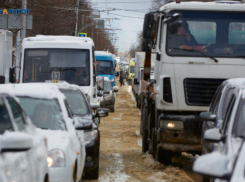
(172, 125)
(56, 158)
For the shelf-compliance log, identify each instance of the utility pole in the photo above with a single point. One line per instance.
(23, 31)
(77, 8)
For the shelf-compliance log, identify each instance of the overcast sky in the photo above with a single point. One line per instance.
(131, 16)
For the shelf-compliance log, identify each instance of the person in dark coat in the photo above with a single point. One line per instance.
(121, 78)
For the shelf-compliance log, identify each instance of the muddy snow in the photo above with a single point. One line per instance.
(121, 158)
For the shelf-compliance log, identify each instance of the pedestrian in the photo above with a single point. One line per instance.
(121, 78)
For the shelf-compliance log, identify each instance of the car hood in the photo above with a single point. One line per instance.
(57, 139)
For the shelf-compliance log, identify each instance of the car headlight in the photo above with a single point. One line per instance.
(172, 125)
(90, 135)
(56, 158)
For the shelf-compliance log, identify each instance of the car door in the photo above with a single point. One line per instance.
(38, 153)
(224, 129)
(20, 118)
(16, 163)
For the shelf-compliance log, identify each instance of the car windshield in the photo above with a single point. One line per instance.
(200, 33)
(239, 124)
(76, 101)
(54, 65)
(107, 86)
(44, 113)
(104, 67)
(132, 69)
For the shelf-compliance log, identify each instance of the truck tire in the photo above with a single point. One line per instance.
(164, 156)
(145, 145)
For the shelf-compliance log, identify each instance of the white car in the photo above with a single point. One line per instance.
(21, 146)
(49, 111)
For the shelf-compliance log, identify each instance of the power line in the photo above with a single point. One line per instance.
(124, 2)
(125, 16)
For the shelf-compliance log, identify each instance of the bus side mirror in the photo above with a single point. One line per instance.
(2, 79)
(11, 75)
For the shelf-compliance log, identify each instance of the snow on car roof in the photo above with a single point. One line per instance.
(66, 85)
(37, 90)
(103, 53)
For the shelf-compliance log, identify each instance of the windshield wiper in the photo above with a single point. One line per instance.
(193, 50)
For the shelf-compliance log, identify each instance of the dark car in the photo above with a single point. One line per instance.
(84, 114)
(108, 96)
(218, 109)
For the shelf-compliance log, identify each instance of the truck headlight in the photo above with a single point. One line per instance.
(90, 135)
(172, 125)
(56, 158)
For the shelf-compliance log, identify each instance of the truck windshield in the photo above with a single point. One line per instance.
(54, 65)
(132, 69)
(217, 34)
(104, 67)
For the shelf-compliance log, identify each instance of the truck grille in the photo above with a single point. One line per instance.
(200, 91)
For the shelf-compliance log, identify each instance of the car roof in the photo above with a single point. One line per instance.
(65, 85)
(36, 90)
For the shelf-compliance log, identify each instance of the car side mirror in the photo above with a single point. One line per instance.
(94, 105)
(100, 94)
(102, 112)
(115, 89)
(79, 124)
(16, 142)
(100, 82)
(2, 79)
(213, 165)
(11, 75)
(117, 74)
(207, 116)
(136, 81)
(213, 135)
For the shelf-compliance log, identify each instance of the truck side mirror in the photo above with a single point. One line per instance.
(146, 45)
(207, 116)
(2, 79)
(148, 26)
(11, 75)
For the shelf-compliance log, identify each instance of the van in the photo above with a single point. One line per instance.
(105, 65)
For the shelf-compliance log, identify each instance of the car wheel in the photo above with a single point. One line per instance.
(112, 109)
(93, 174)
(164, 156)
(145, 145)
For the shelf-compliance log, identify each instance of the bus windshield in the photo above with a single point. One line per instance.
(200, 33)
(104, 67)
(54, 65)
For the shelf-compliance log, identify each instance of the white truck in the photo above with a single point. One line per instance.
(198, 46)
(58, 59)
(6, 52)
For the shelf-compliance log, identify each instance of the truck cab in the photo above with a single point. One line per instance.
(105, 66)
(56, 59)
(198, 46)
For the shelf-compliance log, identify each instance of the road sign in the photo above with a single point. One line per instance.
(81, 34)
(14, 21)
(100, 23)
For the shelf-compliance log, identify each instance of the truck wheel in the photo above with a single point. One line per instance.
(145, 145)
(164, 156)
(206, 179)
(93, 174)
(154, 143)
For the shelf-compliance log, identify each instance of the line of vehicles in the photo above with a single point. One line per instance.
(192, 56)
(50, 108)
